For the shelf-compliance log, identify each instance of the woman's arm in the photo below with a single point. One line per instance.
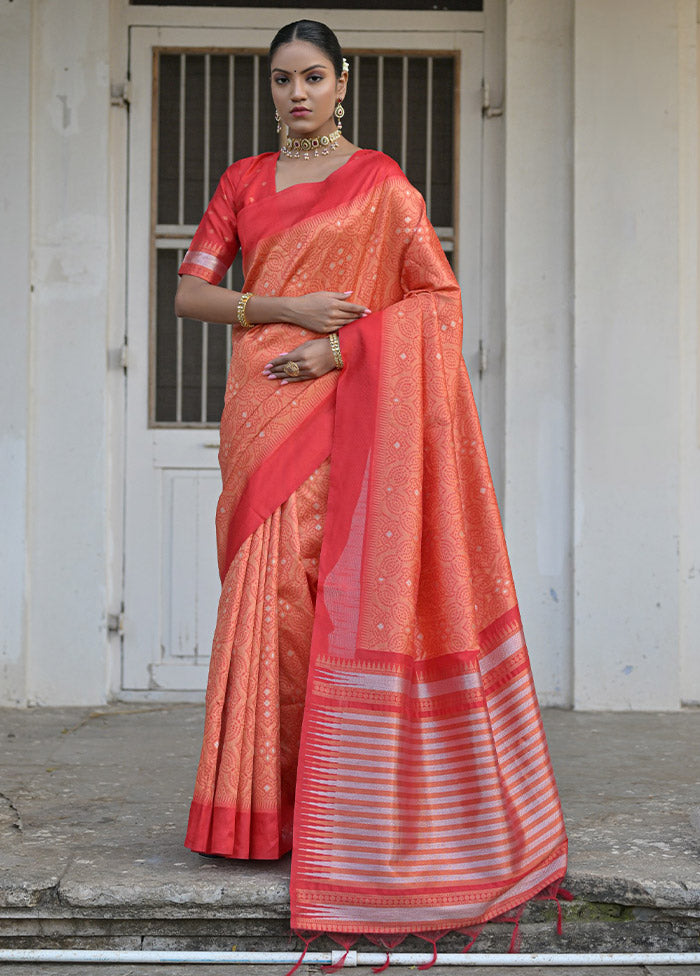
(321, 311)
(197, 299)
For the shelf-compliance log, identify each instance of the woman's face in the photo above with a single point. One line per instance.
(304, 87)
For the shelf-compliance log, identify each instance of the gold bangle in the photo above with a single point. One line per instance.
(335, 346)
(240, 311)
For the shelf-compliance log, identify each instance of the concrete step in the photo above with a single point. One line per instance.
(93, 808)
(587, 927)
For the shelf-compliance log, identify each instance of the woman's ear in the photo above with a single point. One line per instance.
(341, 86)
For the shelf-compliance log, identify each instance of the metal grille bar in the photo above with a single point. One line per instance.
(204, 374)
(229, 327)
(380, 102)
(207, 129)
(404, 112)
(165, 231)
(178, 359)
(356, 98)
(204, 381)
(231, 93)
(429, 140)
(181, 144)
(256, 104)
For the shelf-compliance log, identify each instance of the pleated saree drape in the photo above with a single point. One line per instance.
(368, 616)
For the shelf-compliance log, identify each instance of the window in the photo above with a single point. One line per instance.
(214, 107)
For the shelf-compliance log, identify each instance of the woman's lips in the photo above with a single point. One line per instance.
(300, 111)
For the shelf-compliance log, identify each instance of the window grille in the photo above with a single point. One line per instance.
(401, 104)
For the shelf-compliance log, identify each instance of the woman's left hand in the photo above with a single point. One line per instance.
(313, 358)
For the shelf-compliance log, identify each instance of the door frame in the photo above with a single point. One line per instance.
(351, 25)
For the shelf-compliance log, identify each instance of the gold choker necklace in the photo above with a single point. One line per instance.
(300, 148)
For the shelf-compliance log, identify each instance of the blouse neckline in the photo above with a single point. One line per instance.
(275, 157)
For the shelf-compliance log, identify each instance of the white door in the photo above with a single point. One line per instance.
(198, 100)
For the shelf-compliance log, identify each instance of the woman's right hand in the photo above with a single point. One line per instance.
(325, 311)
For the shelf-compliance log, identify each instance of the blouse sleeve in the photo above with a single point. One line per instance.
(215, 243)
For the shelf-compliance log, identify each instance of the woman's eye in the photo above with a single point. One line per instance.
(280, 80)
(314, 78)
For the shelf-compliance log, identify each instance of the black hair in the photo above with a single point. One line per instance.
(314, 32)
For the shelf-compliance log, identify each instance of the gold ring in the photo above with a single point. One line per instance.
(291, 368)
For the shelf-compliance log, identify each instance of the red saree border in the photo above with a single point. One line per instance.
(278, 211)
(352, 444)
(281, 473)
(233, 833)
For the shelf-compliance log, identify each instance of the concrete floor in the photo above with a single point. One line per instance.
(95, 796)
(93, 807)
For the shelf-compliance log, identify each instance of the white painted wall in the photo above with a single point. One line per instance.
(539, 295)
(617, 214)
(628, 346)
(604, 483)
(15, 75)
(67, 455)
(690, 358)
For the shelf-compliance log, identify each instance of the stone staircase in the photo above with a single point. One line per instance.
(92, 808)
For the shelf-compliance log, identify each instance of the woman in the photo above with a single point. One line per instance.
(369, 685)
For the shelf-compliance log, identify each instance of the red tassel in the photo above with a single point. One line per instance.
(554, 895)
(336, 965)
(473, 931)
(380, 969)
(515, 917)
(307, 943)
(515, 938)
(428, 965)
(567, 896)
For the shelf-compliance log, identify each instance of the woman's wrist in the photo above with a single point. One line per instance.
(262, 309)
(241, 310)
(335, 347)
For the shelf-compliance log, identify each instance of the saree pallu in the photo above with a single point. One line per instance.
(425, 799)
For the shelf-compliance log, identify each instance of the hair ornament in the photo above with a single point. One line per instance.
(346, 64)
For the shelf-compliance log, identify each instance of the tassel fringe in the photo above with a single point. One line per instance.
(556, 894)
(474, 934)
(307, 942)
(429, 965)
(386, 940)
(385, 965)
(389, 941)
(336, 966)
(515, 937)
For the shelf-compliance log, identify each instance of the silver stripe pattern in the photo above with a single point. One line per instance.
(362, 803)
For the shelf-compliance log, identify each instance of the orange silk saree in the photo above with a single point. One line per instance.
(367, 599)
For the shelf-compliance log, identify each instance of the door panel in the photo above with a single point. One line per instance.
(414, 95)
